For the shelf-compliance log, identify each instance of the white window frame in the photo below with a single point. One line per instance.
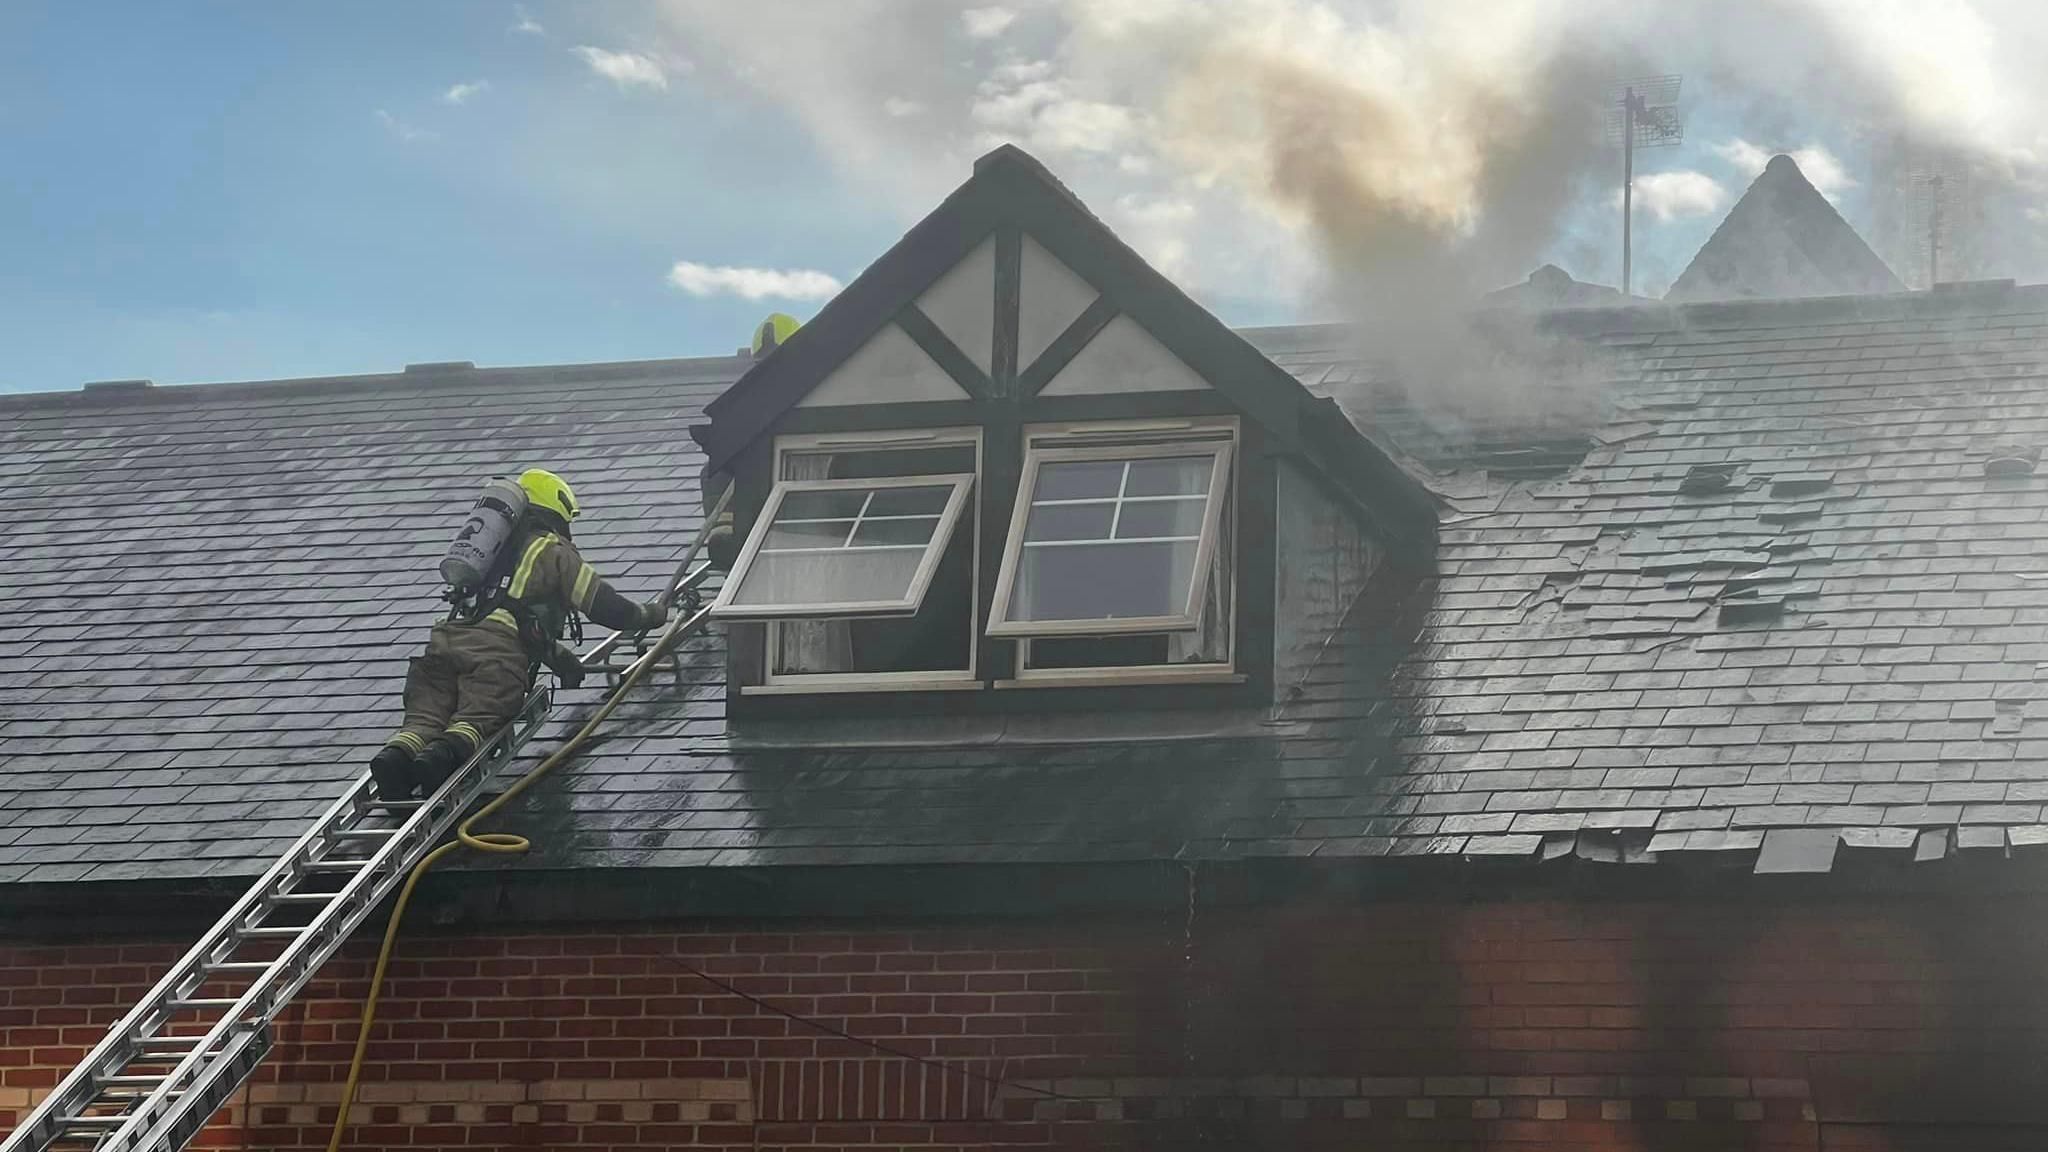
(942, 535)
(775, 683)
(1144, 446)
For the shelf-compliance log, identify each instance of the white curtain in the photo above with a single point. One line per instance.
(1209, 643)
(812, 645)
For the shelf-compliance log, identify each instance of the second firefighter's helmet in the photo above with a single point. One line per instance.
(772, 333)
(546, 490)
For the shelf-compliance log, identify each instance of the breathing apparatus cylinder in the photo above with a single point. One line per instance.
(492, 523)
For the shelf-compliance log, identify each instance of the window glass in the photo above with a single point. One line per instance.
(1112, 539)
(849, 546)
(939, 636)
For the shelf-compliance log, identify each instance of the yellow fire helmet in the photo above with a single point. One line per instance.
(546, 490)
(773, 333)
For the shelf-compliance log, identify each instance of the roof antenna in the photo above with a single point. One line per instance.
(1641, 113)
(1940, 185)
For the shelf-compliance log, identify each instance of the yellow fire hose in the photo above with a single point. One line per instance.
(507, 843)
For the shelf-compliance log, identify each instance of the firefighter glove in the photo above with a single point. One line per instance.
(653, 614)
(567, 668)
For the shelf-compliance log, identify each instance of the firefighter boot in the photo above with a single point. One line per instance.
(442, 756)
(391, 768)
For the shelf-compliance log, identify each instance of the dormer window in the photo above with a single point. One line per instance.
(1014, 468)
(865, 547)
(862, 561)
(1118, 553)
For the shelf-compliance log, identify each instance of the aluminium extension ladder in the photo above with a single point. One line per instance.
(164, 1068)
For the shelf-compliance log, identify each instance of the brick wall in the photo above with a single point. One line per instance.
(1622, 1025)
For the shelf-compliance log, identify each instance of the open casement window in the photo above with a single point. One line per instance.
(853, 547)
(925, 636)
(1118, 554)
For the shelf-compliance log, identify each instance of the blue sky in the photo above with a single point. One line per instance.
(259, 190)
(263, 190)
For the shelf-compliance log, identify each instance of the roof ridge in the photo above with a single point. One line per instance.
(415, 375)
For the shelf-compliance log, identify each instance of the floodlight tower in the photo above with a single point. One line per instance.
(1641, 113)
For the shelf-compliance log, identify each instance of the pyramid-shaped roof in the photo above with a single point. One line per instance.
(1782, 240)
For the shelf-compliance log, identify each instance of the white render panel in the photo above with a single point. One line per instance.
(888, 369)
(1049, 296)
(963, 304)
(1124, 357)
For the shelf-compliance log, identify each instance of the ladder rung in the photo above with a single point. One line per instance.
(362, 833)
(169, 1042)
(335, 865)
(94, 1121)
(126, 1095)
(396, 805)
(131, 1081)
(241, 965)
(283, 933)
(304, 897)
(205, 1002)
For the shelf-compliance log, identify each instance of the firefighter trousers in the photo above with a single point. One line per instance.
(471, 681)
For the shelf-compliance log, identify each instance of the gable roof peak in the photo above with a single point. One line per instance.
(1783, 240)
(1010, 197)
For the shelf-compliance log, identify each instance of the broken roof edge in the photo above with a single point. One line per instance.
(728, 367)
(1952, 297)
(1645, 314)
(467, 898)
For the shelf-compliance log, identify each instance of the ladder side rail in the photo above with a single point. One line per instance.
(197, 1082)
(320, 938)
(237, 1059)
(684, 583)
(301, 959)
(117, 1048)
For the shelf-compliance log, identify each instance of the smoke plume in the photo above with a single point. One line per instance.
(1389, 161)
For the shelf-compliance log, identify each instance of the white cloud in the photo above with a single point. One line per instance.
(1027, 103)
(1820, 166)
(525, 24)
(625, 69)
(900, 107)
(1674, 195)
(401, 129)
(1159, 228)
(461, 93)
(987, 23)
(752, 283)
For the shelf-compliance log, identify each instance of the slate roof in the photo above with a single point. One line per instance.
(1781, 240)
(211, 593)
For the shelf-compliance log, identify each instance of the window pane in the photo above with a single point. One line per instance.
(1069, 522)
(915, 530)
(783, 536)
(854, 463)
(1102, 581)
(1155, 518)
(1170, 476)
(1078, 479)
(829, 577)
(853, 548)
(919, 501)
(828, 504)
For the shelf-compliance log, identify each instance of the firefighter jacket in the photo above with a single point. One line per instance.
(550, 581)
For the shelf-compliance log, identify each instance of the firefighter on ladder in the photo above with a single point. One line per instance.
(516, 581)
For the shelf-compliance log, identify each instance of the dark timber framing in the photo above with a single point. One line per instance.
(1009, 196)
